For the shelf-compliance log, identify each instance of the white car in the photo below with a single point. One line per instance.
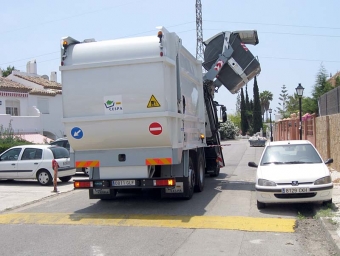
(35, 162)
(292, 172)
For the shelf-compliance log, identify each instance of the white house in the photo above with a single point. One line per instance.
(32, 104)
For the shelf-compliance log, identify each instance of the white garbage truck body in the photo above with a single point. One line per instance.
(135, 112)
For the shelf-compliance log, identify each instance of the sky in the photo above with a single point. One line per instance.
(295, 37)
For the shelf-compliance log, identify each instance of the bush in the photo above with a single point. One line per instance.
(228, 130)
(8, 139)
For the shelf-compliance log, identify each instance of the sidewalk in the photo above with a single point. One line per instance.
(14, 194)
(332, 223)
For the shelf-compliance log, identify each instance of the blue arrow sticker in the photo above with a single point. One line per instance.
(77, 133)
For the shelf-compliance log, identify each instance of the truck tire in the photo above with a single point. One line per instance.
(190, 180)
(65, 179)
(217, 171)
(200, 174)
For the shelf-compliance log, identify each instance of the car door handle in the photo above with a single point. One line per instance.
(13, 164)
(36, 163)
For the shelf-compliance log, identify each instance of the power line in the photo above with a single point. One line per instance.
(28, 58)
(69, 17)
(272, 24)
(283, 33)
(280, 58)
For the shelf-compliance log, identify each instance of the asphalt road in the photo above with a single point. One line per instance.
(222, 220)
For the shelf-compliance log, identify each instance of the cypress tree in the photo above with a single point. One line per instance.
(257, 118)
(244, 122)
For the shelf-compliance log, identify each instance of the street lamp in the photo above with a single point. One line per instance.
(271, 126)
(299, 92)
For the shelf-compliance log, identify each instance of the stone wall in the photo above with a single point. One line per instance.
(328, 138)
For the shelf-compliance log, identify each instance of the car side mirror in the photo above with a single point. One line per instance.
(252, 164)
(329, 161)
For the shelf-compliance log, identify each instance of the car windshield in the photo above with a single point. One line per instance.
(60, 152)
(290, 154)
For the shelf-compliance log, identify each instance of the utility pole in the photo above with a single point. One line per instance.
(199, 32)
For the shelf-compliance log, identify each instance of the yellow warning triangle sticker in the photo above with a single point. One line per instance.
(153, 103)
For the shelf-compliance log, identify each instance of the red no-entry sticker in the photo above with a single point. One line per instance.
(155, 128)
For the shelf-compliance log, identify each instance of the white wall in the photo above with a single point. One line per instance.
(22, 124)
(47, 122)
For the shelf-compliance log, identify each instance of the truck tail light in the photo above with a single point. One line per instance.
(83, 184)
(167, 182)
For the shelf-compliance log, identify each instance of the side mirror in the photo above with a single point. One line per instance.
(224, 117)
(224, 113)
(252, 164)
(329, 161)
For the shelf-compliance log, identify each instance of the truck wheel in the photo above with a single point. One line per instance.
(44, 177)
(65, 179)
(191, 180)
(200, 174)
(217, 171)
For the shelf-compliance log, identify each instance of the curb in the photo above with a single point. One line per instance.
(332, 234)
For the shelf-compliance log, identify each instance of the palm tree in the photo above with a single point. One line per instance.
(265, 98)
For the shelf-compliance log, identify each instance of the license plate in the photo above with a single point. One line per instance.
(177, 189)
(101, 191)
(294, 190)
(119, 183)
(66, 163)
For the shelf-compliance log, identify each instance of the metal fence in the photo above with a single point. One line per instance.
(329, 103)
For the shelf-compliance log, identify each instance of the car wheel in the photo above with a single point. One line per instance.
(65, 179)
(328, 202)
(44, 177)
(191, 180)
(260, 205)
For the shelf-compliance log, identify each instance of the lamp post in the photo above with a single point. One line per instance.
(271, 126)
(299, 92)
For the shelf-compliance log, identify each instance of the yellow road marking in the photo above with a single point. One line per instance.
(165, 221)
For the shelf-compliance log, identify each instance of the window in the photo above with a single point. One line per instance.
(59, 152)
(32, 153)
(12, 107)
(11, 154)
(43, 106)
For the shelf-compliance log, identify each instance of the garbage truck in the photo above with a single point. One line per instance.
(140, 112)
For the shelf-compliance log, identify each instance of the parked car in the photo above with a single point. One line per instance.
(35, 162)
(63, 142)
(292, 172)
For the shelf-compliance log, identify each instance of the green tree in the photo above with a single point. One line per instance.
(228, 130)
(8, 71)
(320, 87)
(238, 103)
(244, 122)
(257, 118)
(337, 81)
(265, 98)
(283, 101)
(235, 118)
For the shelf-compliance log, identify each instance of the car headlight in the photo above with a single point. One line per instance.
(324, 180)
(263, 182)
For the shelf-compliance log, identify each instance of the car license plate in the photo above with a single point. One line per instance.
(119, 183)
(294, 190)
(101, 191)
(177, 189)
